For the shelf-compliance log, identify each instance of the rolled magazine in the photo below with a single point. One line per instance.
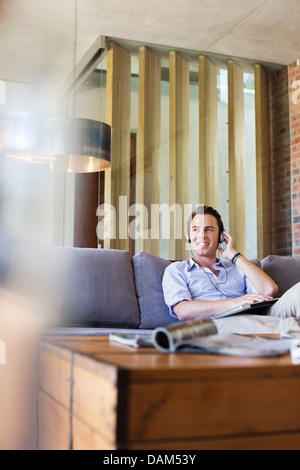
(173, 337)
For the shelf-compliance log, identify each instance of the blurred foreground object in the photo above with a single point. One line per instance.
(20, 329)
(32, 283)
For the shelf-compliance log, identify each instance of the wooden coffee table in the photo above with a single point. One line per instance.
(94, 394)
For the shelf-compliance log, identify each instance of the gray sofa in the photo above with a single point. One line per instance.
(108, 288)
(102, 289)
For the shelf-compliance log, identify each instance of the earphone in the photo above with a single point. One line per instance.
(221, 237)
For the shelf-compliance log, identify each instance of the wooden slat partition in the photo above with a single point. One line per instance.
(149, 132)
(208, 133)
(179, 147)
(117, 180)
(263, 163)
(236, 152)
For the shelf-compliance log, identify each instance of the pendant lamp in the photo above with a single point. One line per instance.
(75, 144)
(68, 144)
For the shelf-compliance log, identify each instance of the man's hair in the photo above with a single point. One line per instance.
(201, 210)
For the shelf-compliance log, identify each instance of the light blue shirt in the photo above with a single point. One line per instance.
(186, 280)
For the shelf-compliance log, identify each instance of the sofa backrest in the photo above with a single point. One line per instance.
(72, 286)
(284, 270)
(148, 273)
(99, 289)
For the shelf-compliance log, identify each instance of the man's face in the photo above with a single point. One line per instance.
(204, 235)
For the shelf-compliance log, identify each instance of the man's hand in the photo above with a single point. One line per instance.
(230, 249)
(252, 298)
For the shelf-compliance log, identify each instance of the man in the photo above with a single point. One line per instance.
(204, 286)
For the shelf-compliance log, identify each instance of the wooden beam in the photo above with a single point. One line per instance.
(117, 180)
(208, 133)
(263, 163)
(86, 203)
(236, 152)
(179, 149)
(149, 134)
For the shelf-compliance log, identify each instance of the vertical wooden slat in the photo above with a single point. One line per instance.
(263, 163)
(148, 161)
(179, 148)
(117, 180)
(236, 151)
(107, 200)
(208, 137)
(133, 177)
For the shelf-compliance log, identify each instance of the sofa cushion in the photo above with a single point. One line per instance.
(284, 270)
(148, 273)
(98, 289)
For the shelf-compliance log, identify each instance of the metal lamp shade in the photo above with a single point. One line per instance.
(78, 145)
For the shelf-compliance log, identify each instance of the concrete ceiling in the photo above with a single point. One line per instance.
(37, 36)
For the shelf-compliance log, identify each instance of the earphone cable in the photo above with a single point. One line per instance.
(218, 283)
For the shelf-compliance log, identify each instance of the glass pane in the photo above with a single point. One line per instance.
(250, 166)
(222, 85)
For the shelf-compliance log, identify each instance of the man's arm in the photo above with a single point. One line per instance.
(190, 310)
(262, 283)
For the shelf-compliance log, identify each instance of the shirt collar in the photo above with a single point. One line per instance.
(216, 265)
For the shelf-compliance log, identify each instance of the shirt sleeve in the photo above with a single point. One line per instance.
(249, 287)
(174, 287)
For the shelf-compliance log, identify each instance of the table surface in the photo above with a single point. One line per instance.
(153, 363)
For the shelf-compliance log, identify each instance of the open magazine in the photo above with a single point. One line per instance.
(202, 336)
